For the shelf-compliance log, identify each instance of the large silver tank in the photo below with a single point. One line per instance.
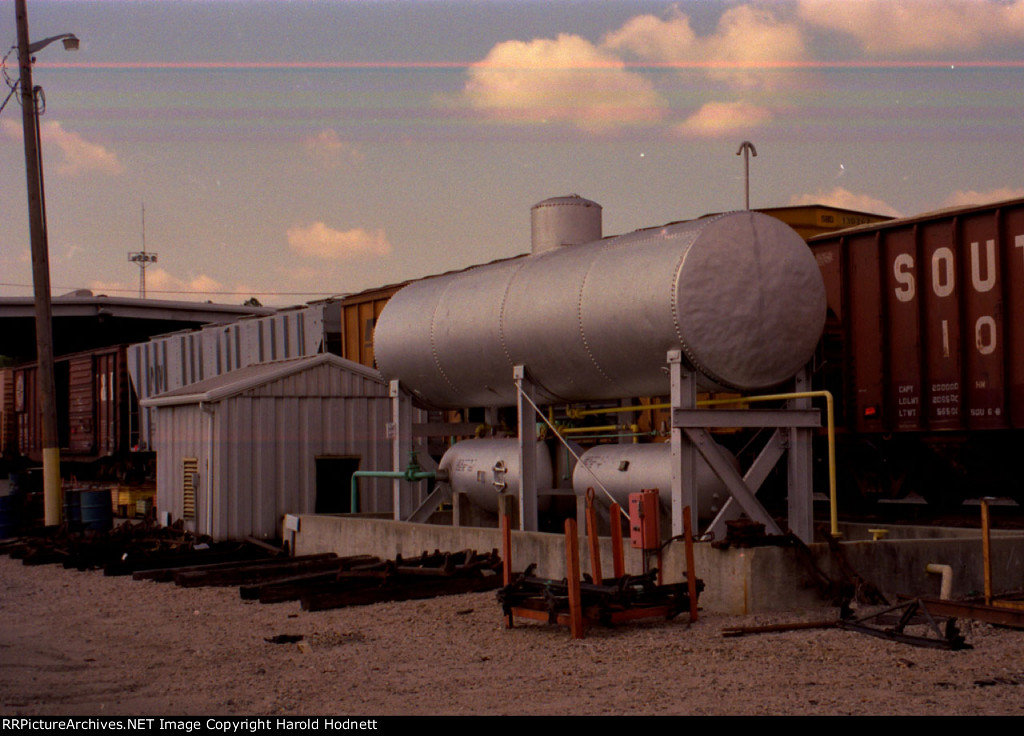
(483, 468)
(740, 294)
(625, 469)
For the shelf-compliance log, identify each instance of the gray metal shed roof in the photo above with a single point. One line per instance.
(239, 381)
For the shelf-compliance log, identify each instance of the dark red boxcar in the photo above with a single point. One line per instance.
(924, 347)
(93, 405)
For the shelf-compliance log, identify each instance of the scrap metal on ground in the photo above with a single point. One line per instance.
(580, 603)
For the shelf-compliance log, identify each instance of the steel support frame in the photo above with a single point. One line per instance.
(527, 433)
(793, 436)
(401, 446)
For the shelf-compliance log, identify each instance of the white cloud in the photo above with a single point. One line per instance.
(80, 155)
(160, 284)
(319, 241)
(845, 199)
(968, 197)
(328, 149)
(744, 51)
(716, 119)
(566, 79)
(948, 27)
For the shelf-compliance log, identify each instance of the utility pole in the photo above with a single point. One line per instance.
(45, 385)
(747, 148)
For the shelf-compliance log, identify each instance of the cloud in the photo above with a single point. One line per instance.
(949, 27)
(566, 79)
(79, 155)
(717, 119)
(845, 199)
(744, 50)
(969, 197)
(329, 150)
(161, 284)
(319, 241)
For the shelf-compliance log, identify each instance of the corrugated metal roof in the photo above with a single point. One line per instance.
(87, 305)
(241, 380)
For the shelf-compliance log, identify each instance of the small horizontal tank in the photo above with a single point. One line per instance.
(483, 468)
(625, 469)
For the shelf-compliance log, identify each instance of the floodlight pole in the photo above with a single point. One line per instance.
(45, 384)
(142, 258)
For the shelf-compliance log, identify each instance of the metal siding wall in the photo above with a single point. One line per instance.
(81, 414)
(266, 445)
(865, 330)
(940, 295)
(985, 380)
(902, 332)
(1013, 288)
(183, 436)
(235, 453)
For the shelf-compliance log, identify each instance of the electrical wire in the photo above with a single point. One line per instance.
(561, 439)
(188, 291)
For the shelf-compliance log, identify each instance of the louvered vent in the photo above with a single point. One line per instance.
(191, 468)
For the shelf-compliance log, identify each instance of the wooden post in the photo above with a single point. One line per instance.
(691, 572)
(504, 507)
(593, 540)
(986, 548)
(618, 560)
(572, 570)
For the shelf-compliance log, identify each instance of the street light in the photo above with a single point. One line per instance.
(70, 42)
(45, 387)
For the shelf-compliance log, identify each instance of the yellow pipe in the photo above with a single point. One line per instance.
(830, 419)
(603, 428)
(580, 413)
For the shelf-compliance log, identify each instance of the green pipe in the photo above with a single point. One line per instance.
(413, 472)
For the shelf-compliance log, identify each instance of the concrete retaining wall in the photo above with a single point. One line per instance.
(737, 581)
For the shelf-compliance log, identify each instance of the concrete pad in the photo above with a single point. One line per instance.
(737, 580)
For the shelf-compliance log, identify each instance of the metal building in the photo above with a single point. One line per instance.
(238, 451)
(172, 361)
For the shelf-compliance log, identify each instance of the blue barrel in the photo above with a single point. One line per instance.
(97, 512)
(72, 506)
(10, 516)
(19, 484)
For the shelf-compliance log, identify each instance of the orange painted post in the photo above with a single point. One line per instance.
(986, 550)
(572, 571)
(593, 540)
(506, 554)
(618, 561)
(691, 572)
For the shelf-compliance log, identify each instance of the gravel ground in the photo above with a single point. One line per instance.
(74, 643)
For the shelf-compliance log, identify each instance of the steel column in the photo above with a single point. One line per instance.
(684, 455)
(401, 446)
(800, 467)
(527, 449)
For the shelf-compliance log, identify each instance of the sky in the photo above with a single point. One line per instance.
(295, 149)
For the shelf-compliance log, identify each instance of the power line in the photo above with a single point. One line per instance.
(191, 291)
